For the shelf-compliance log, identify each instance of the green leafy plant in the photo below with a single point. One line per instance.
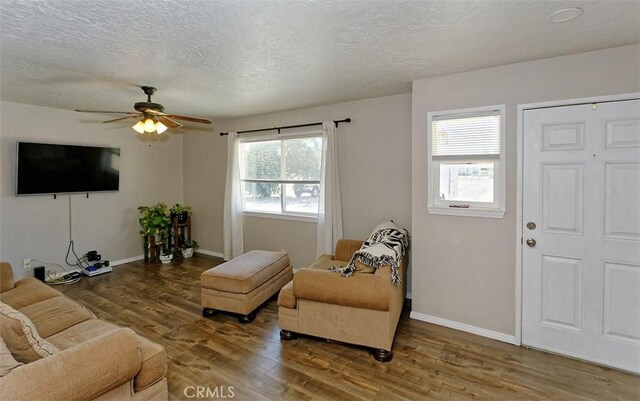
(190, 244)
(168, 251)
(181, 212)
(178, 208)
(155, 220)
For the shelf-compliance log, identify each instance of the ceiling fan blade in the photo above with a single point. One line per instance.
(155, 112)
(123, 118)
(169, 122)
(106, 112)
(188, 118)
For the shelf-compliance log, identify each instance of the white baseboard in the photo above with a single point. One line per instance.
(128, 260)
(140, 257)
(210, 253)
(507, 338)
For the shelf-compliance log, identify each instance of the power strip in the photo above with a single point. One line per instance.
(96, 272)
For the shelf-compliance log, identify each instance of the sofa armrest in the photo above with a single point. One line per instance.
(365, 291)
(82, 372)
(345, 248)
(6, 277)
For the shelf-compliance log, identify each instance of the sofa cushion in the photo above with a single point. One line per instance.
(56, 314)
(80, 333)
(154, 364)
(368, 291)
(26, 292)
(325, 262)
(21, 336)
(345, 248)
(6, 277)
(88, 371)
(7, 361)
(154, 358)
(362, 268)
(245, 273)
(286, 297)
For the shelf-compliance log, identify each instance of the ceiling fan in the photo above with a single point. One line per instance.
(152, 117)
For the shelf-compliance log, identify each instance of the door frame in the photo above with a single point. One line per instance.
(520, 181)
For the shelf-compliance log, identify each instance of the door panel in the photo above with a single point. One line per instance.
(561, 292)
(624, 133)
(621, 302)
(581, 275)
(562, 192)
(569, 136)
(622, 201)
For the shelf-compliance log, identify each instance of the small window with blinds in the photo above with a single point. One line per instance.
(466, 162)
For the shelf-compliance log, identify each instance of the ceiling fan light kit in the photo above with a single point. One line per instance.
(149, 126)
(160, 128)
(152, 117)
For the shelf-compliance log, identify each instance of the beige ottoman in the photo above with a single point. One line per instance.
(242, 284)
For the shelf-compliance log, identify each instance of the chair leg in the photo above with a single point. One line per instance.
(382, 355)
(208, 312)
(247, 318)
(287, 335)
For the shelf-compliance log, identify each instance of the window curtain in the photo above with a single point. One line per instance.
(233, 221)
(329, 207)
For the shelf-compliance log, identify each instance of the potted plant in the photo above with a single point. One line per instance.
(181, 212)
(155, 221)
(188, 248)
(167, 255)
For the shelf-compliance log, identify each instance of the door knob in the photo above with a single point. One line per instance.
(531, 242)
(531, 225)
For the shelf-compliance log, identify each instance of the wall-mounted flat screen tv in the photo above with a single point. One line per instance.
(46, 168)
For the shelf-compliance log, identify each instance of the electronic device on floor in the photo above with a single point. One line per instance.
(92, 271)
(96, 265)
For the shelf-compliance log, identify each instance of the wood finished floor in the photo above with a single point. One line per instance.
(162, 303)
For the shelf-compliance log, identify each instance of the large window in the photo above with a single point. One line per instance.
(466, 162)
(281, 176)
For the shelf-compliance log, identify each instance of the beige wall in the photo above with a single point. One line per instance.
(375, 168)
(205, 169)
(464, 267)
(37, 227)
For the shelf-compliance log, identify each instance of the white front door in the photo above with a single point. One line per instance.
(581, 232)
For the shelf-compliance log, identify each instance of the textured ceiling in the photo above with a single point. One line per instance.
(232, 58)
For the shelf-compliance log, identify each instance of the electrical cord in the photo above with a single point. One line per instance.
(61, 279)
(50, 263)
(81, 263)
(68, 277)
(57, 280)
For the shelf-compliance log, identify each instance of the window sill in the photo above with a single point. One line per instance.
(279, 216)
(470, 212)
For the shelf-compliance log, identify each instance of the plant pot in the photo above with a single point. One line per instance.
(166, 258)
(187, 252)
(182, 217)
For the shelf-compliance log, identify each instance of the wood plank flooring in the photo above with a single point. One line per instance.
(162, 302)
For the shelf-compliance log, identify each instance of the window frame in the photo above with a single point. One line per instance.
(437, 206)
(283, 214)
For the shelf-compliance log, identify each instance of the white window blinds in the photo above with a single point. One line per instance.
(466, 135)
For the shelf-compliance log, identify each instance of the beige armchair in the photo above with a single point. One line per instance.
(363, 309)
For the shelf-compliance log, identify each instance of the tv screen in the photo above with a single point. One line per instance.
(45, 168)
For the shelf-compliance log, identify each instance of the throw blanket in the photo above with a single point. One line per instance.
(386, 246)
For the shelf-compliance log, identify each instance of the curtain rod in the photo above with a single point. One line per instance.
(336, 122)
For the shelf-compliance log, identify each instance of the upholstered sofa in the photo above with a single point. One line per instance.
(77, 356)
(362, 309)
